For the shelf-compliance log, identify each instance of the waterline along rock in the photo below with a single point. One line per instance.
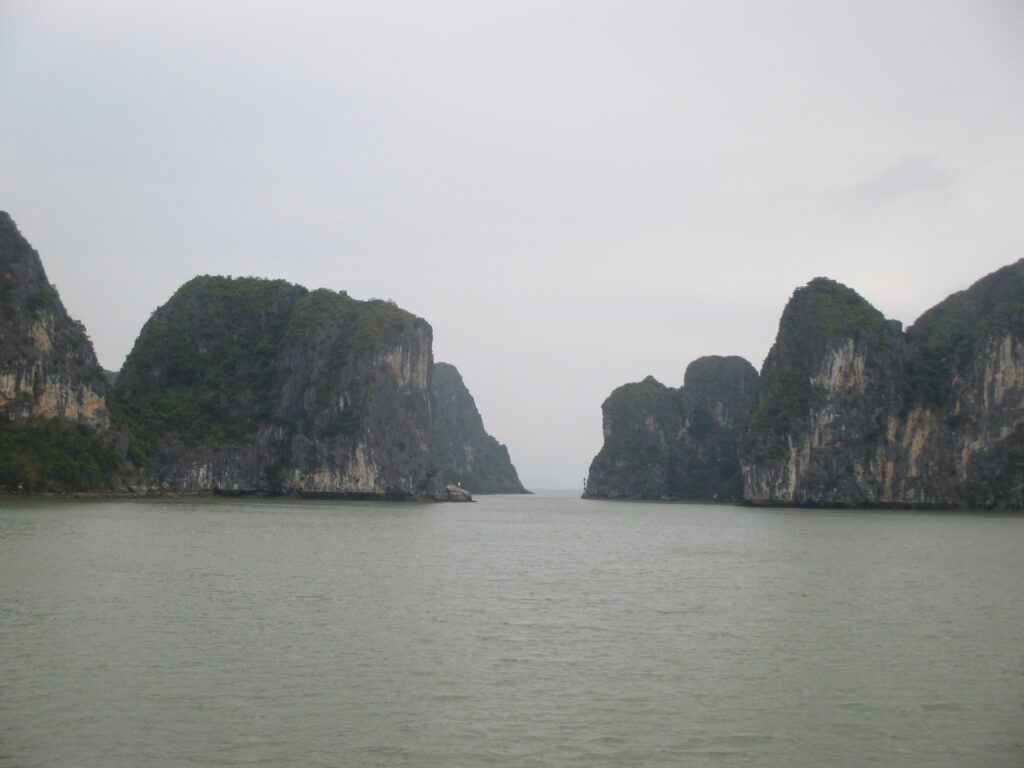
(246, 385)
(664, 443)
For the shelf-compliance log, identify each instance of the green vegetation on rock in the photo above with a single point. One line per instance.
(209, 365)
(944, 340)
(200, 371)
(851, 411)
(245, 384)
(356, 325)
(51, 455)
(54, 427)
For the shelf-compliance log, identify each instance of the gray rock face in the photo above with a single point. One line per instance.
(664, 443)
(824, 398)
(850, 411)
(55, 430)
(250, 385)
(48, 369)
(455, 493)
(464, 454)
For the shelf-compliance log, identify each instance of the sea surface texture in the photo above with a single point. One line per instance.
(517, 631)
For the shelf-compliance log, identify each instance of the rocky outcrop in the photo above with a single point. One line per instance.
(824, 398)
(234, 386)
(463, 453)
(664, 443)
(54, 426)
(456, 493)
(48, 369)
(248, 385)
(851, 411)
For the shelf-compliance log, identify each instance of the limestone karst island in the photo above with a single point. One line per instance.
(849, 410)
(236, 386)
(246, 385)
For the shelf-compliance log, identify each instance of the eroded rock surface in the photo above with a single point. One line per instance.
(48, 369)
(851, 411)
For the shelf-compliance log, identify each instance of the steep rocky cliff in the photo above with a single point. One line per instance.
(964, 394)
(242, 385)
(851, 411)
(53, 414)
(48, 368)
(664, 443)
(824, 399)
(464, 454)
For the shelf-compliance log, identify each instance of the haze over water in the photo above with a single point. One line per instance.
(574, 194)
(517, 631)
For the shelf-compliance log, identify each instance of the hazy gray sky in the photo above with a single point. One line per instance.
(574, 194)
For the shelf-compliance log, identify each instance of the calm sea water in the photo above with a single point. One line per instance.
(517, 631)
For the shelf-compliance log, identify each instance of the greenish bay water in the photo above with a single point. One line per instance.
(518, 631)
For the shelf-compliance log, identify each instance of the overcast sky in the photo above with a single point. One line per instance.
(574, 194)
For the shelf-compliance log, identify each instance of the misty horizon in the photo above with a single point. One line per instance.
(575, 196)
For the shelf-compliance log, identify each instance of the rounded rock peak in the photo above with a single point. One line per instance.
(713, 372)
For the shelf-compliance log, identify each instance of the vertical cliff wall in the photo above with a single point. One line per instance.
(828, 388)
(464, 454)
(241, 385)
(48, 368)
(850, 411)
(961, 425)
(54, 424)
(664, 443)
